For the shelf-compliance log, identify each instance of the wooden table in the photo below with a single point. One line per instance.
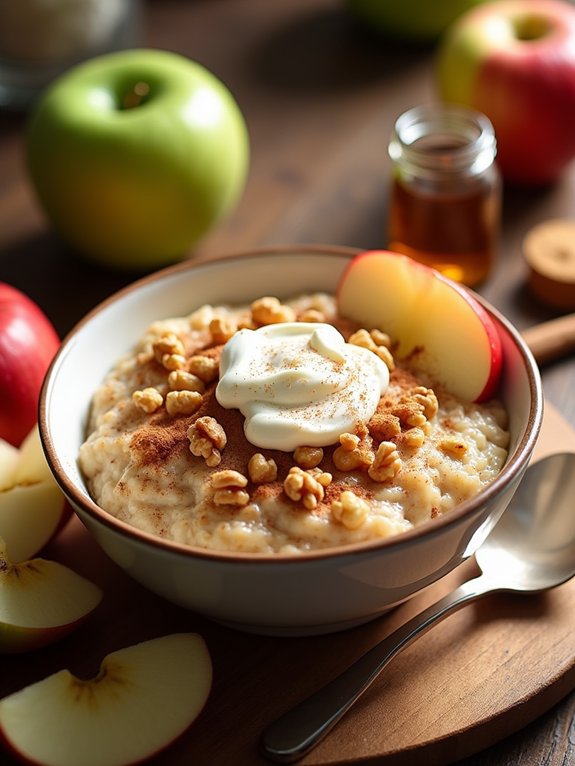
(320, 97)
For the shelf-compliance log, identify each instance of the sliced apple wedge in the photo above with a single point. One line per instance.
(436, 322)
(32, 506)
(40, 601)
(143, 698)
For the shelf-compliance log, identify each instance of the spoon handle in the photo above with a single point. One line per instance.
(299, 730)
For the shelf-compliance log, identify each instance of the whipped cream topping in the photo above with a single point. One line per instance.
(299, 384)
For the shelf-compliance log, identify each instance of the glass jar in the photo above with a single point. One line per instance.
(445, 203)
(39, 39)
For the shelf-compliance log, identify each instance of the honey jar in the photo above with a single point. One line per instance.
(445, 199)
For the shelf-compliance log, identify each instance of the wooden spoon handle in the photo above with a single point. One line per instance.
(551, 340)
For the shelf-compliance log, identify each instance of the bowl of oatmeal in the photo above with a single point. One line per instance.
(242, 450)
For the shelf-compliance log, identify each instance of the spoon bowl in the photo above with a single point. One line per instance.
(531, 549)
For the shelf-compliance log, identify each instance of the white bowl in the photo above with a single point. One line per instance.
(315, 592)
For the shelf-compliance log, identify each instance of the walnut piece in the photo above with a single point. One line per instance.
(183, 402)
(306, 487)
(206, 368)
(352, 453)
(375, 341)
(350, 510)
(260, 470)
(308, 457)
(207, 440)
(386, 463)
(180, 380)
(166, 346)
(148, 400)
(269, 310)
(229, 488)
(222, 329)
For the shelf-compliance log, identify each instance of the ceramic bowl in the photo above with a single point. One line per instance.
(315, 592)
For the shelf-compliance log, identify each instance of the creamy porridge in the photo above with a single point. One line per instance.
(260, 429)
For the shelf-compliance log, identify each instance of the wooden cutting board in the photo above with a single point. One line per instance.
(485, 672)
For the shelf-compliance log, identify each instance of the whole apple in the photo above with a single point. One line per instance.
(135, 155)
(514, 60)
(416, 20)
(28, 342)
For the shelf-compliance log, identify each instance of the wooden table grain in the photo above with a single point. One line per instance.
(320, 96)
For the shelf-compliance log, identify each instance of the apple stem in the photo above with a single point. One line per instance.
(136, 95)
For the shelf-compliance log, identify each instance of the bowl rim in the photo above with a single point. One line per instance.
(86, 507)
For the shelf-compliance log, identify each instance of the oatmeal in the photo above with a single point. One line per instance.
(281, 428)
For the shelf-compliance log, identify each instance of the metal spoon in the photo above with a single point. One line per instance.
(531, 549)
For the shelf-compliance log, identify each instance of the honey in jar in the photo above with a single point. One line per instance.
(445, 202)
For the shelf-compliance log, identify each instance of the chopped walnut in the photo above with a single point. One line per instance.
(269, 310)
(308, 457)
(311, 315)
(173, 361)
(260, 470)
(375, 341)
(222, 329)
(180, 380)
(350, 510)
(183, 402)
(167, 345)
(306, 487)
(229, 488)
(453, 446)
(428, 400)
(413, 438)
(207, 439)
(386, 463)
(417, 408)
(148, 400)
(206, 368)
(352, 453)
(228, 478)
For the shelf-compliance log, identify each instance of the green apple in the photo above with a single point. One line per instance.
(417, 20)
(135, 155)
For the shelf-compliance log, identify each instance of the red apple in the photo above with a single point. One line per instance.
(514, 60)
(434, 321)
(143, 698)
(28, 342)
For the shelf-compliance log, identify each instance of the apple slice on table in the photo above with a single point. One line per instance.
(32, 506)
(40, 602)
(434, 321)
(144, 697)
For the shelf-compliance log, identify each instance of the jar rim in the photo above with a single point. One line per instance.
(443, 137)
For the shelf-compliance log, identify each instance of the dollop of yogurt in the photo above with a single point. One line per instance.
(299, 384)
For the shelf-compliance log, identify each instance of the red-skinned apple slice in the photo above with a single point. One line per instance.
(32, 506)
(40, 602)
(436, 322)
(144, 697)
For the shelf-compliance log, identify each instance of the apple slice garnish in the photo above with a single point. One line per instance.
(434, 321)
(40, 602)
(32, 506)
(144, 697)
